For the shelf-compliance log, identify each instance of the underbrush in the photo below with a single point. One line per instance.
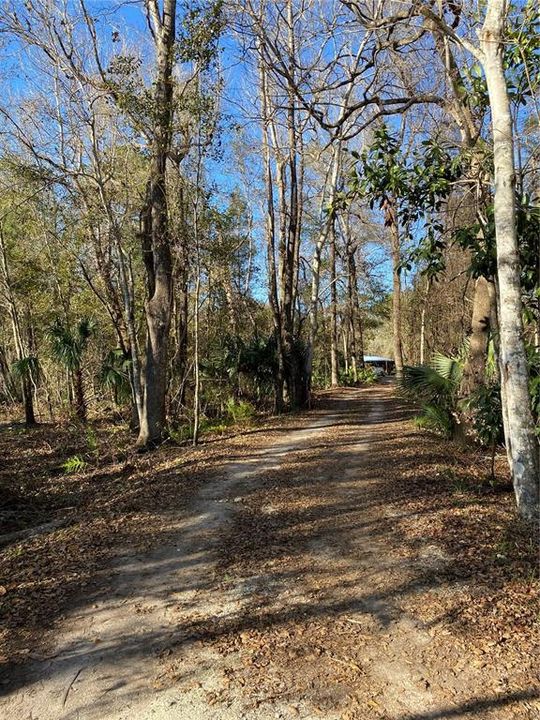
(363, 376)
(237, 413)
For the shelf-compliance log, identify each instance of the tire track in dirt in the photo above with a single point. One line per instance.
(108, 657)
(314, 589)
(283, 596)
(266, 603)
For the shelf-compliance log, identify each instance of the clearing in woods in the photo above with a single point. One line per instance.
(339, 566)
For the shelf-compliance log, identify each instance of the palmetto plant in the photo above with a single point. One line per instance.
(115, 373)
(26, 367)
(254, 359)
(68, 346)
(435, 387)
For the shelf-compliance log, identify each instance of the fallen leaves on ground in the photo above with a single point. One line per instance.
(346, 562)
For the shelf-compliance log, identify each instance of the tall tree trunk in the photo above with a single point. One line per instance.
(392, 222)
(314, 312)
(8, 386)
(474, 370)
(294, 362)
(475, 366)
(129, 316)
(327, 228)
(423, 324)
(351, 281)
(281, 128)
(270, 226)
(361, 349)
(522, 445)
(230, 301)
(155, 234)
(333, 311)
(359, 325)
(181, 356)
(28, 399)
(196, 361)
(345, 340)
(25, 372)
(181, 307)
(197, 305)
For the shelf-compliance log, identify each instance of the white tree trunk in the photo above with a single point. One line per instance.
(522, 445)
(334, 360)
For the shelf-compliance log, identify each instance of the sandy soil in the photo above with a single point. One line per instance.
(297, 583)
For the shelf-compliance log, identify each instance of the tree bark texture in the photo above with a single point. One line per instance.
(155, 234)
(522, 445)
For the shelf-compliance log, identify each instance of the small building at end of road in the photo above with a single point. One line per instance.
(387, 365)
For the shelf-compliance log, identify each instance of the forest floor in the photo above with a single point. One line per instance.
(339, 564)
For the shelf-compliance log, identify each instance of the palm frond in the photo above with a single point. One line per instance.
(438, 419)
(424, 383)
(434, 387)
(27, 367)
(85, 329)
(68, 345)
(115, 374)
(450, 368)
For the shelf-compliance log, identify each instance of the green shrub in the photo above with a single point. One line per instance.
(27, 367)
(364, 376)
(486, 410)
(181, 434)
(114, 374)
(237, 363)
(434, 387)
(345, 377)
(239, 410)
(213, 426)
(534, 383)
(367, 376)
(433, 384)
(437, 419)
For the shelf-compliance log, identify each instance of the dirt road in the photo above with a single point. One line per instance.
(292, 590)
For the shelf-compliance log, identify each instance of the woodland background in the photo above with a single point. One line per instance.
(210, 209)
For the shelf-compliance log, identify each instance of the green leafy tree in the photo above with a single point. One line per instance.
(115, 375)
(411, 193)
(68, 346)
